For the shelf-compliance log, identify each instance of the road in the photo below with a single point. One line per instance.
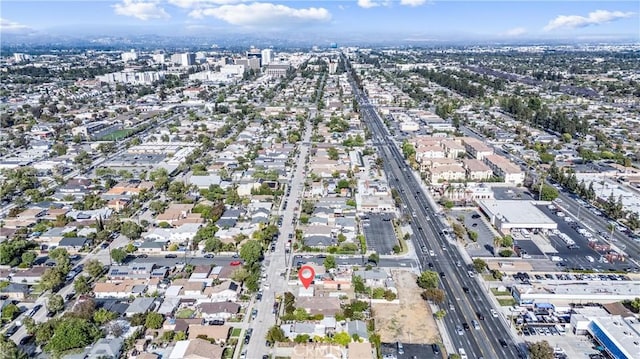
(279, 261)
(448, 260)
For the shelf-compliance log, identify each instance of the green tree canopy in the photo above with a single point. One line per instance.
(251, 252)
(72, 333)
(541, 350)
(428, 279)
(55, 303)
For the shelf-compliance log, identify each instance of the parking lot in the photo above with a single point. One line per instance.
(411, 351)
(576, 256)
(474, 221)
(379, 233)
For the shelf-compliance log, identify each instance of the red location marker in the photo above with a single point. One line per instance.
(306, 275)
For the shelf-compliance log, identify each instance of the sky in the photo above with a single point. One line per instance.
(416, 20)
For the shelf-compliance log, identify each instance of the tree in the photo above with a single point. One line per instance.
(72, 333)
(55, 303)
(435, 295)
(440, 314)
(51, 279)
(9, 349)
(118, 255)
(81, 285)
(94, 267)
(428, 279)
(154, 320)
(635, 305)
(342, 338)
(251, 252)
(28, 258)
(131, 230)
(479, 265)
(9, 312)
(103, 316)
(329, 262)
(541, 350)
(358, 284)
(275, 334)
(374, 258)
(548, 193)
(240, 275)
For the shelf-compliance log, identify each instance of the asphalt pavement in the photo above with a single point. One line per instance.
(379, 233)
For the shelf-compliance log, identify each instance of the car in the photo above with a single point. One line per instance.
(209, 256)
(143, 256)
(51, 314)
(11, 331)
(424, 249)
(465, 289)
(430, 265)
(475, 216)
(466, 326)
(475, 324)
(494, 313)
(235, 255)
(459, 330)
(171, 256)
(432, 253)
(502, 342)
(480, 315)
(474, 224)
(400, 348)
(235, 263)
(259, 296)
(443, 275)
(26, 340)
(217, 322)
(435, 348)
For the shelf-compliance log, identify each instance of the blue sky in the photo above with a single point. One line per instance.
(415, 19)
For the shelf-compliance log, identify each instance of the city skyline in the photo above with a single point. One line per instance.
(408, 20)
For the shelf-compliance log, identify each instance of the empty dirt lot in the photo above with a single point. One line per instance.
(411, 321)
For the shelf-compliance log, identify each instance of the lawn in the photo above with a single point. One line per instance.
(185, 313)
(496, 292)
(507, 302)
(117, 135)
(236, 332)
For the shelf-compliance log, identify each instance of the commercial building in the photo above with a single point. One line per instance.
(184, 59)
(618, 336)
(129, 56)
(575, 292)
(508, 215)
(277, 70)
(134, 78)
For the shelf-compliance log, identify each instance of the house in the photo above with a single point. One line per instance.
(373, 278)
(359, 328)
(327, 306)
(227, 291)
(131, 271)
(29, 276)
(74, 244)
(301, 328)
(219, 333)
(17, 291)
(219, 310)
(151, 247)
(106, 349)
(123, 289)
(196, 349)
(140, 305)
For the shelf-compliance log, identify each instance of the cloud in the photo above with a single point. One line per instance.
(368, 4)
(11, 27)
(594, 18)
(516, 31)
(143, 10)
(186, 4)
(412, 2)
(264, 15)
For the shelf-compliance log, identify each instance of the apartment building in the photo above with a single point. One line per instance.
(476, 148)
(502, 167)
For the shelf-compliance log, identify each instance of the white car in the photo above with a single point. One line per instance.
(432, 253)
(494, 313)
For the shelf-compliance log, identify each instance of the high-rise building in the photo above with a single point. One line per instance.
(158, 58)
(184, 59)
(20, 57)
(129, 56)
(267, 56)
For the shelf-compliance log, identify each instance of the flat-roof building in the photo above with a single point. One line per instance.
(507, 215)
